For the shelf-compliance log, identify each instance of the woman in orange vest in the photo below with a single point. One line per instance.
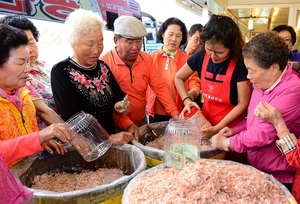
(223, 75)
(168, 60)
(17, 111)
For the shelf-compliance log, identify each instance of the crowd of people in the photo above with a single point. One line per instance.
(248, 92)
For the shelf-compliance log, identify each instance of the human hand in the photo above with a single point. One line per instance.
(187, 108)
(123, 106)
(220, 142)
(134, 130)
(267, 112)
(53, 144)
(208, 132)
(226, 132)
(121, 138)
(56, 130)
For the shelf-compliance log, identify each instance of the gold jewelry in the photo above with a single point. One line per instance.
(82, 66)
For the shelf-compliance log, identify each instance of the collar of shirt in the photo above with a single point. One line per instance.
(13, 97)
(168, 53)
(118, 61)
(275, 84)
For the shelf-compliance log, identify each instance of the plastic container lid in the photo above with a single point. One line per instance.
(194, 110)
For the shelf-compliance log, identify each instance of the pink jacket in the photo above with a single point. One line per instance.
(257, 137)
(20, 147)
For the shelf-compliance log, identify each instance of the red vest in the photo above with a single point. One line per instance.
(216, 94)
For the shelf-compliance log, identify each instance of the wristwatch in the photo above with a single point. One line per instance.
(287, 143)
(227, 142)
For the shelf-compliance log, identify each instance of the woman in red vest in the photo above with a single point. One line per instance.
(224, 84)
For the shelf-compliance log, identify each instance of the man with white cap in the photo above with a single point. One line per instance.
(135, 70)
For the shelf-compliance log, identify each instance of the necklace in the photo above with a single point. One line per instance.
(83, 67)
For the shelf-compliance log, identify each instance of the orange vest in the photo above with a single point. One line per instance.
(216, 94)
(14, 123)
(168, 67)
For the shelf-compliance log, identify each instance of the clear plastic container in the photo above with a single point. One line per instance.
(182, 143)
(88, 137)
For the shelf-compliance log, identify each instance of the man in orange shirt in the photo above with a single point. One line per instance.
(135, 70)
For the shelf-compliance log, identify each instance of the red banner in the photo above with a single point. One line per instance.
(58, 10)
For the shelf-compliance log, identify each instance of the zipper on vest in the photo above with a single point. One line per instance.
(167, 63)
(23, 120)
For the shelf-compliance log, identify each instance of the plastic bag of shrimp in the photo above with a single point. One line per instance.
(206, 181)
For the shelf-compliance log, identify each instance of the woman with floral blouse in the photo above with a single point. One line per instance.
(82, 82)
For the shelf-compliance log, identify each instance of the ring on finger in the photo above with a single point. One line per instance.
(257, 113)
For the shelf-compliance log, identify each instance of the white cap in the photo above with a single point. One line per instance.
(129, 27)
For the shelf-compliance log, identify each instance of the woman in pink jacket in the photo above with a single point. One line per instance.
(266, 57)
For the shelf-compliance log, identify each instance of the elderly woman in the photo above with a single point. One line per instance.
(288, 34)
(39, 75)
(266, 57)
(168, 60)
(223, 75)
(18, 115)
(82, 82)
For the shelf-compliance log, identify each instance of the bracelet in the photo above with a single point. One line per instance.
(186, 98)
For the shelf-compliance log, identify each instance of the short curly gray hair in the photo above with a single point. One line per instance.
(81, 22)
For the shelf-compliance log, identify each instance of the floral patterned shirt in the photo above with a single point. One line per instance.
(40, 87)
(94, 91)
